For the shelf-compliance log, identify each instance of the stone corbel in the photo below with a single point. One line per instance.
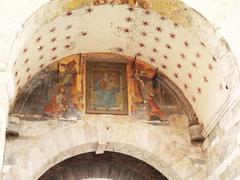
(13, 126)
(196, 133)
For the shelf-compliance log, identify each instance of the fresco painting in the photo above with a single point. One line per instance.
(106, 88)
(73, 86)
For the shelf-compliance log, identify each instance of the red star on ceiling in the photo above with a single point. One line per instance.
(69, 27)
(165, 56)
(194, 64)
(144, 34)
(210, 67)
(199, 90)
(175, 25)
(54, 49)
(54, 58)
(84, 33)
(202, 44)
(214, 59)
(164, 66)
(41, 57)
(183, 56)
(41, 65)
(68, 37)
(38, 39)
(205, 79)
(40, 48)
(198, 55)
(157, 39)
(53, 39)
(25, 50)
(69, 13)
(193, 99)
(190, 75)
(128, 19)
(138, 54)
(172, 35)
(18, 82)
(186, 44)
(158, 29)
(67, 46)
(147, 12)
(52, 30)
(141, 45)
(89, 10)
(163, 18)
(131, 9)
(126, 30)
(168, 46)
(16, 73)
(155, 50)
(145, 23)
(28, 69)
(152, 60)
(185, 86)
(179, 66)
(26, 61)
(175, 75)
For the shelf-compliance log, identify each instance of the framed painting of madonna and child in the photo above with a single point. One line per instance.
(106, 88)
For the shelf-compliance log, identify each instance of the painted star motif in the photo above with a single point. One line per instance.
(54, 49)
(54, 58)
(89, 10)
(126, 30)
(199, 90)
(183, 56)
(52, 30)
(53, 39)
(202, 44)
(214, 59)
(41, 57)
(40, 48)
(190, 75)
(69, 13)
(205, 79)
(84, 33)
(158, 29)
(19, 88)
(179, 66)
(128, 19)
(194, 64)
(28, 69)
(141, 45)
(138, 54)
(185, 86)
(18, 82)
(155, 50)
(145, 23)
(175, 25)
(210, 67)
(147, 12)
(172, 35)
(144, 34)
(69, 27)
(29, 76)
(186, 44)
(131, 9)
(26, 61)
(164, 66)
(165, 56)
(38, 39)
(152, 60)
(68, 37)
(16, 73)
(163, 18)
(198, 55)
(41, 65)
(25, 50)
(168, 46)
(157, 39)
(67, 46)
(175, 75)
(120, 50)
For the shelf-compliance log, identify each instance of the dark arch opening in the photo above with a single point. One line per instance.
(110, 165)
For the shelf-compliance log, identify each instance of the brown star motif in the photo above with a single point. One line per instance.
(126, 30)
(69, 13)
(54, 49)
(145, 23)
(138, 54)
(214, 59)
(29, 76)
(67, 46)
(120, 50)
(155, 50)
(147, 12)
(144, 34)
(53, 39)
(210, 67)
(52, 30)
(175, 25)
(141, 45)
(164, 66)
(25, 50)
(69, 27)
(129, 19)
(165, 56)
(157, 39)
(185, 86)
(41, 57)
(158, 29)
(152, 60)
(163, 18)
(28, 69)
(131, 9)
(199, 90)
(202, 44)
(38, 39)
(189, 75)
(26, 61)
(54, 58)
(18, 82)
(194, 64)
(179, 66)
(172, 35)
(183, 55)
(193, 99)
(68, 37)
(16, 73)
(84, 34)
(89, 10)
(198, 55)
(186, 43)
(40, 48)
(41, 65)
(175, 75)
(205, 79)
(168, 46)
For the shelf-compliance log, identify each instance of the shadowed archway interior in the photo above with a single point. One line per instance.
(109, 165)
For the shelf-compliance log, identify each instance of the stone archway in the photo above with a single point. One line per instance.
(165, 150)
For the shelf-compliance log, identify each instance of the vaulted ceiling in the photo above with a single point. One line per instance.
(161, 35)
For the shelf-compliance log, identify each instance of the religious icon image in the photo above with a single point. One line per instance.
(106, 88)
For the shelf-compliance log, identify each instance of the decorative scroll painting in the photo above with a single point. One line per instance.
(106, 87)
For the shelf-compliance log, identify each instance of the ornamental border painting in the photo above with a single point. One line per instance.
(106, 88)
